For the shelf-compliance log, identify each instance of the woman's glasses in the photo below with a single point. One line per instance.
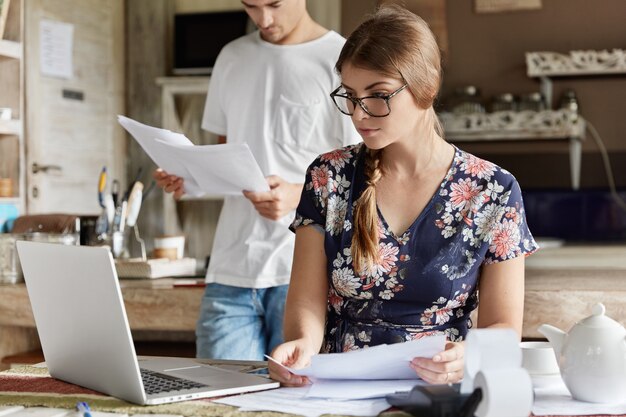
(376, 105)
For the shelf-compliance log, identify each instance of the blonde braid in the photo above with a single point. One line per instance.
(365, 237)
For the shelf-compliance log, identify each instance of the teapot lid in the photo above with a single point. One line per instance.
(598, 319)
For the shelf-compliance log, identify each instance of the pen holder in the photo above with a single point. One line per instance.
(142, 244)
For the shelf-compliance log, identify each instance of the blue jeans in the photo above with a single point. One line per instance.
(240, 323)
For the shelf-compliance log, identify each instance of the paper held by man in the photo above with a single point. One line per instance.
(226, 169)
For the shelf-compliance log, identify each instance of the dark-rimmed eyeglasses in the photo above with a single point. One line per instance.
(376, 105)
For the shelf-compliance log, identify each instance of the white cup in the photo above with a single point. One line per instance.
(538, 358)
(172, 247)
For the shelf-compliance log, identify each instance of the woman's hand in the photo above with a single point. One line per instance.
(295, 354)
(169, 183)
(444, 368)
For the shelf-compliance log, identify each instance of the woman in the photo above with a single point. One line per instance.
(396, 236)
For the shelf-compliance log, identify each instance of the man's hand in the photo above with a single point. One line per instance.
(169, 183)
(280, 200)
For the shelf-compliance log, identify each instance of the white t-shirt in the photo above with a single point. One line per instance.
(276, 99)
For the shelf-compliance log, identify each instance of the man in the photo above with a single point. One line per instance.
(269, 89)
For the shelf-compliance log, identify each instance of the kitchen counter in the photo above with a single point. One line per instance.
(562, 284)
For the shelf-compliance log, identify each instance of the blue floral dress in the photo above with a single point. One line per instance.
(427, 279)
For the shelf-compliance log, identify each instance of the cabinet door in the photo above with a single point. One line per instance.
(72, 130)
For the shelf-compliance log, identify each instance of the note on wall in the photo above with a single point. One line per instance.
(56, 47)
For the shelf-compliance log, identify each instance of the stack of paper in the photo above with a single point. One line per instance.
(353, 383)
(226, 169)
(378, 362)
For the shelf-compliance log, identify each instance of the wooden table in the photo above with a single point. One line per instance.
(561, 286)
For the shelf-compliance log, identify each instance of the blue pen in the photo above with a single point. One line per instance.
(83, 407)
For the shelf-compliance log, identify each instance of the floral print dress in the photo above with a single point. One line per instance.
(426, 280)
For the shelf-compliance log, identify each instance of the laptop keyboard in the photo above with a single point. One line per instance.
(156, 383)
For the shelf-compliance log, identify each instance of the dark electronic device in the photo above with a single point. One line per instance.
(199, 38)
(436, 401)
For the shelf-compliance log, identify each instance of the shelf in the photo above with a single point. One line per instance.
(576, 63)
(11, 49)
(510, 125)
(10, 127)
(524, 125)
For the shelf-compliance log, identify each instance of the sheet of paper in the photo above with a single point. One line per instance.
(351, 389)
(56, 41)
(378, 362)
(555, 399)
(6, 410)
(146, 137)
(294, 401)
(42, 412)
(225, 169)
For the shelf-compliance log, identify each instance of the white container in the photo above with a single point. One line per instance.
(172, 247)
(538, 358)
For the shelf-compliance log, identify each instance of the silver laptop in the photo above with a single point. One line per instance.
(79, 312)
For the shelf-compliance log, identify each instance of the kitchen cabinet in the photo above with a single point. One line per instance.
(12, 173)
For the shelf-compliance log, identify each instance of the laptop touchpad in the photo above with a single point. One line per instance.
(194, 372)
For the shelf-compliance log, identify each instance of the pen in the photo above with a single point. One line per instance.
(134, 204)
(115, 191)
(119, 220)
(109, 207)
(132, 184)
(102, 182)
(83, 407)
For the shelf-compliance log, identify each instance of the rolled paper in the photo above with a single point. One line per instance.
(505, 393)
(489, 349)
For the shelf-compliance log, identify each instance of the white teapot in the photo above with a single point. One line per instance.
(591, 357)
